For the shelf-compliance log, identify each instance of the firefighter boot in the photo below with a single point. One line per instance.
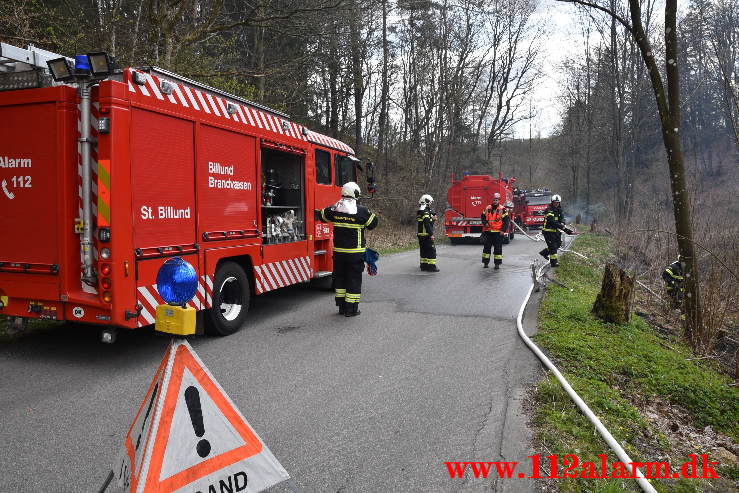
(497, 266)
(342, 307)
(423, 267)
(553, 261)
(352, 310)
(432, 268)
(545, 253)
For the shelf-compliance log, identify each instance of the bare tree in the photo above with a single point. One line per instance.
(668, 105)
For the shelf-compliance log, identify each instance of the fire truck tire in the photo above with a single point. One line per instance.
(455, 241)
(231, 297)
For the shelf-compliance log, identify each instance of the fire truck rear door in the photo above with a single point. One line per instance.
(33, 153)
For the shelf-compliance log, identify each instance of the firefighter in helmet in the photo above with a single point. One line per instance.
(553, 223)
(426, 218)
(494, 230)
(673, 277)
(350, 221)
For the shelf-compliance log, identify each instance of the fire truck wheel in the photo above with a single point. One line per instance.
(230, 300)
(455, 241)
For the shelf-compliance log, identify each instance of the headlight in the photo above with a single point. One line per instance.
(105, 253)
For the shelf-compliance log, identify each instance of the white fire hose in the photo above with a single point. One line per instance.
(615, 446)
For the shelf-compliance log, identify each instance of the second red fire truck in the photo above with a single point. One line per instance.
(107, 175)
(467, 198)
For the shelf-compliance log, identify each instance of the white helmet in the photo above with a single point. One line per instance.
(556, 198)
(425, 199)
(351, 190)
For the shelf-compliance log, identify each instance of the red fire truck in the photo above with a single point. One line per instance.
(466, 200)
(106, 177)
(529, 207)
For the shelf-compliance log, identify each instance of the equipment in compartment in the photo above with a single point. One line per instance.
(283, 213)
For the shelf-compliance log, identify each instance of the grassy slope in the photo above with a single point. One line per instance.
(612, 366)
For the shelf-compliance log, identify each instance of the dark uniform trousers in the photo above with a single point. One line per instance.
(494, 240)
(348, 268)
(554, 241)
(427, 250)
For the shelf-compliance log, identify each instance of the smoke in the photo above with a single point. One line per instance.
(587, 214)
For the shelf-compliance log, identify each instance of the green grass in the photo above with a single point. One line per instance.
(611, 366)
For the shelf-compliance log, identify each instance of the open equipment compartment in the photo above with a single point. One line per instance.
(283, 194)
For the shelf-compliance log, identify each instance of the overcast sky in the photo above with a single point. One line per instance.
(563, 39)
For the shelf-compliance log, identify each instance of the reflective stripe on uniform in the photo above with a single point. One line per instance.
(673, 275)
(340, 293)
(352, 297)
(372, 216)
(485, 255)
(498, 257)
(349, 250)
(346, 225)
(553, 255)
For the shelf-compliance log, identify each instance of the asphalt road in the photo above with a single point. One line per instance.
(432, 371)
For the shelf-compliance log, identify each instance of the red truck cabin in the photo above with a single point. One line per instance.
(178, 169)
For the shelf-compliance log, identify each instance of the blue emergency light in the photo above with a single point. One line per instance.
(82, 64)
(177, 281)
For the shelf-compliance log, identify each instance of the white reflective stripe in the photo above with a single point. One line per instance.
(209, 282)
(306, 273)
(299, 268)
(241, 114)
(305, 267)
(259, 285)
(180, 96)
(191, 98)
(213, 105)
(255, 114)
(275, 123)
(287, 274)
(248, 117)
(292, 264)
(224, 110)
(130, 87)
(260, 276)
(144, 90)
(263, 117)
(153, 85)
(147, 316)
(203, 103)
(148, 297)
(307, 261)
(171, 97)
(275, 273)
(265, 273)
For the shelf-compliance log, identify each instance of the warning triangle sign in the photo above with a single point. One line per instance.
(188, 436)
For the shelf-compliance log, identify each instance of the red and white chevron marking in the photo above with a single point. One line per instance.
(283, 273)
(213, 104)
(149, 298)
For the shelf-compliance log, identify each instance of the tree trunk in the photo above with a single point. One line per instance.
(613, 303)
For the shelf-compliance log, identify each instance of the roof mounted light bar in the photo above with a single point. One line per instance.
(200, 85)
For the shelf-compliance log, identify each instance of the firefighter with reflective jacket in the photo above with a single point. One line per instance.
(350, 221)
(426, 218)
(494, 226)
(673, 277)
(553, 223)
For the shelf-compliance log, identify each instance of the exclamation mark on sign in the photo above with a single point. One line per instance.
(192, 399)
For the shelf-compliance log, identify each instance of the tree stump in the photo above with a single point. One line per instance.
(613, 303)
(593, 226)
(578, 219)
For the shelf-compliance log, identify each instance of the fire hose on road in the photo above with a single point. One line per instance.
(615, 446)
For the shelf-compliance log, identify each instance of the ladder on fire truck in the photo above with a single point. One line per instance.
(25, 68)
